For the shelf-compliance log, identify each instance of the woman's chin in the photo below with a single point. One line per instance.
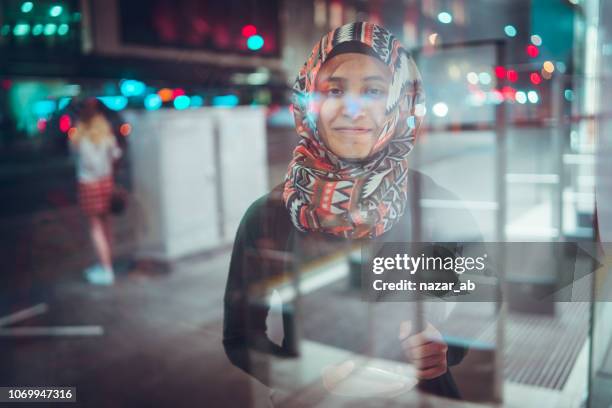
(352, 152)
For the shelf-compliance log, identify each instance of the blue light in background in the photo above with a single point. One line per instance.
(197, 101)
(63, 29)
(43, 109)
(50, 29)
(225, 100)
(27, 6)
(510, 30)
(55, 11)
(21, 29)
(152, 102)
(37, 30)
(182, 102)
(255, 42)
(445, 18)
(63, 102)
(131, 87)
(115, 103)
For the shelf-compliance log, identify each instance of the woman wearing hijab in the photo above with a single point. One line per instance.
(357, 106)
(96, 149)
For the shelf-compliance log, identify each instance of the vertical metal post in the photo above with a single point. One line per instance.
(500, 225)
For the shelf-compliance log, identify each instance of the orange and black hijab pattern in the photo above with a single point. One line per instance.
(325, 193)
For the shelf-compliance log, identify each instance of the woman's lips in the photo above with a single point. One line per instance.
(352, 130)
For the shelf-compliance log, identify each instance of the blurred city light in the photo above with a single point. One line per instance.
(484, 78)
(197, 101)
(548, 66)
(249, 30)
(535, 78)
(440, 109)
(181, 102)
(43, 109)
(510, 30)
(55, 11)
(152, 102)
(225, 100)
(165, 94)
(63, 29)
(432, 38)
(125, 129)
(536, 40)
(41, 124)
(115, 103)
(512, 75)
(27, 6)
(131, 87)
(521, 97)
(177, 92)
(50, 29)
(445, 18)
(496, 96)
(500, 72)
(532, 51)
(561, 67)
(533, 96)
(63, 102)
(255, 42)
(569, 95)
(508, 92)
(258, 78)
(64, 123)
(37, 30)
(472, 78)
(21, 29)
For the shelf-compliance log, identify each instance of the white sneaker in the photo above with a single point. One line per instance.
(98, 275)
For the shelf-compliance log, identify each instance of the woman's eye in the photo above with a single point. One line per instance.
(335, 92)
(374, 92)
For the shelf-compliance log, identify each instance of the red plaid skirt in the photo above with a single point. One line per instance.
(95, 196)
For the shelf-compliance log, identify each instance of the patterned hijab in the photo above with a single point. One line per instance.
(325, 193)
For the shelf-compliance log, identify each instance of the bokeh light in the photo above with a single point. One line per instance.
(510, 30)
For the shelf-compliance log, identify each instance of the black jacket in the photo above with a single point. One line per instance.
(267, 248)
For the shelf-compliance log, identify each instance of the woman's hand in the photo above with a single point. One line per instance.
(427, 350)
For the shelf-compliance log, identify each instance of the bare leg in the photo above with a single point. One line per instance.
(108, 232)
(100, 243)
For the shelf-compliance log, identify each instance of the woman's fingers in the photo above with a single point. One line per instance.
(427, 350)
(433, 372)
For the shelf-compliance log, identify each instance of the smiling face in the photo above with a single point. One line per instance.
(353, 92)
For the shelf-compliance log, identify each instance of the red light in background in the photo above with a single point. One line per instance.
(178, 92)
(249, 30)
(64, 123)
(41, 125)
(6, 84)
(532, 51)
(500, 72)
(125, 129)
(508, 92)
(512, 75)
(535, 78)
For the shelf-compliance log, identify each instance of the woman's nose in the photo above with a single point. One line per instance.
(353, 106)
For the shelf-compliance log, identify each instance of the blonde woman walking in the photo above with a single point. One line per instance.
(96, 149)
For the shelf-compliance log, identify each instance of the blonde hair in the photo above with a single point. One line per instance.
(96, 129)
(91, 123)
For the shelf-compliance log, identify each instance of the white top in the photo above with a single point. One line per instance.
(95, 161)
